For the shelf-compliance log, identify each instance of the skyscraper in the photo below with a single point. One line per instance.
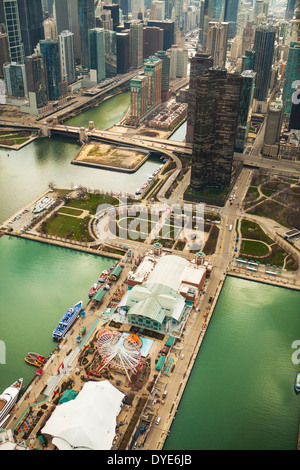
(16, 46)
(153, 72)
(123, 52)
(31, 23)
(264, 52)
(86, 12)
(230, 16)
(136, 44)
(165, 74)
(67, 56)
(216, 45)
(97, 54)
(292, 73)
(244, 114)
(15, 80)
(36, 81)
(50, 50)
(200, 64)
(216, 113)
(110, 53)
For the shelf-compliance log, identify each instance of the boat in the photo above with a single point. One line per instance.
(103, 275)
(33, 362)
(67, 321)
(38, 357)
(9, 397)
(93, 289)
(297, 383)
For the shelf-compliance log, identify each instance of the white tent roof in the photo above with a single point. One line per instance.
(89, 421)
(168, 271)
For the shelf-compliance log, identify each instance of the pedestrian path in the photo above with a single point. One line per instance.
(56, 378)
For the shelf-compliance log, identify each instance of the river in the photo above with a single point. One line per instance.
(25, 174)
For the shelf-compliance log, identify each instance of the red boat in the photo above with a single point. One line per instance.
(37, 357)
(93, 289)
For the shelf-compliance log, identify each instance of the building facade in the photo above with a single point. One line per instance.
(216, 114)
(67, 56)
(97, 54)
(50, 51)
(13, 29)
(36, 81)
(264, 52)
(292, 73)
(200, 64)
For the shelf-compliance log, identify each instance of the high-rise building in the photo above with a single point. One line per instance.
(217, 107)
(15, 80)
(290, 7)
(138, 93)
(86, 12)
(216, 45)
(264, 52)
(153, 40)
(67, 56)
(169, 27)
(244, 114)
(36, 81)
(165, 74)
(153, 72)
(292, 73)
(274, 122)
(97, 54)
(230, 16)
(136, 44)
(114, 9)
(13, 28)
(31, 23)
(4, 52)
(200, 64)
(123, 52)
(67, 19)
(294, 122)
(247, 38)
(110, 53)
(50, 50)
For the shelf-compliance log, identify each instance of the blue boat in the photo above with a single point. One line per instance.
(297, 383)
(67, 321)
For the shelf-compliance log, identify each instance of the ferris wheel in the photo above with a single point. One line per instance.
(119, 351)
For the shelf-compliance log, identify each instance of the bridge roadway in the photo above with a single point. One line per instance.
(140, 141)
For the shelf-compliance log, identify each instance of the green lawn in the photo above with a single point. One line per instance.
(69, 227)
(92, 201)
(253, 248)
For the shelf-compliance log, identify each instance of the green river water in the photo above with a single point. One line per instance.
(240, 394)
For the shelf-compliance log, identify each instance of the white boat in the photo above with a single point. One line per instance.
(9, 397)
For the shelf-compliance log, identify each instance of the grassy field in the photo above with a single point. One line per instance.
(68, 227)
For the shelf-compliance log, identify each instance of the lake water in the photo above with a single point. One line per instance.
(240, 394)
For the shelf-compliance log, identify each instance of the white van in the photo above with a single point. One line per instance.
(158, 420)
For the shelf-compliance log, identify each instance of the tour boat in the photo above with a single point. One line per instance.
(9, 397)
(297, 383)
(93, 289)
(103, 275)
(33, 362)
(67, 321)
(37, 357)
